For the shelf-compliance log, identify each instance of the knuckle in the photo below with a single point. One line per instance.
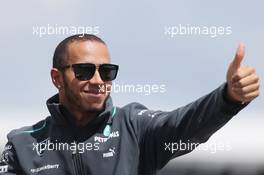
(243, 90)
(240, 83)
(239, 91)
(237, 77)
(245, 96)
(252, 69)
(258, 85)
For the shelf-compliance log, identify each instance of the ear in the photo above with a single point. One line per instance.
(56, 78)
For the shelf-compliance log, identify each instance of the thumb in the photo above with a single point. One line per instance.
(239, 56)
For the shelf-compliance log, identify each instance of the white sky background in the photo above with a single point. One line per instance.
(189, 66)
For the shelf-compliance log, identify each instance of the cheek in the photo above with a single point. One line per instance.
(72, 84)
(76, 86)
(70, 76)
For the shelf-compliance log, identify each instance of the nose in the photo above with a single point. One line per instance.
(96, 79)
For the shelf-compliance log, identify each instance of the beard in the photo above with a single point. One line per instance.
(78, 102)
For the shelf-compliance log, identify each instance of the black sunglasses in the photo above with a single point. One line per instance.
(85, 71)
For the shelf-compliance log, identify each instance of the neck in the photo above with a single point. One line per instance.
(82, 118)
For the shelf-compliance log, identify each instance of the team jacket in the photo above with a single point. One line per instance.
(129, 140)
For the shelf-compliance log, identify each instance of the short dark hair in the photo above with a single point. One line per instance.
(60, 54)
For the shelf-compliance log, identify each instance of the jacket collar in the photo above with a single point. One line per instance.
(63, 117)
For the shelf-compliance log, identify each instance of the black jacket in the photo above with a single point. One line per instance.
(131, 140)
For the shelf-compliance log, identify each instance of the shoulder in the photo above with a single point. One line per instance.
(28, 130)
(133, 109)
(138, 112)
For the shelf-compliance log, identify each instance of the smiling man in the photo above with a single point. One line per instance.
(87, 134)
(81, 67)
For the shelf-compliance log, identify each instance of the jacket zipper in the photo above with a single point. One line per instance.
(76, 156)
(77, 162)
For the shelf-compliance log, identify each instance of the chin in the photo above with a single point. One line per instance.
(93, 106)
(91, 103)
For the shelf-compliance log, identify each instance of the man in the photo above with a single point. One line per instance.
(86, 134)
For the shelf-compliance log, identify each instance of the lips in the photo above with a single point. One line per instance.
(93, 92)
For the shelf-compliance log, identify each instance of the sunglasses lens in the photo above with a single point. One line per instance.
(108, 72)
(84, 71)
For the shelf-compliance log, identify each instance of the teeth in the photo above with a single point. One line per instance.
(92, 90)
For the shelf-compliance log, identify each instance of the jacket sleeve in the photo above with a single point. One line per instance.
(194, 123)
(8, 162)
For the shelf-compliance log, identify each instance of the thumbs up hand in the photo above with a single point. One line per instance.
(242, 81)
